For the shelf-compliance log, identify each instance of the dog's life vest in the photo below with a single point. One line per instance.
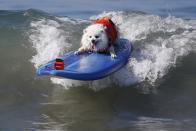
(111, 29)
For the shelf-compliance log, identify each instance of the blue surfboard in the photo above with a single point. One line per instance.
(89, 66)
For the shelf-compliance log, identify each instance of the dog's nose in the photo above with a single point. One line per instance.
(93, 41)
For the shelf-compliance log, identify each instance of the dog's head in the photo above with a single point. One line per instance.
(95, 37)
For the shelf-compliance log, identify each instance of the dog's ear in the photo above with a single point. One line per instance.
(84, 31)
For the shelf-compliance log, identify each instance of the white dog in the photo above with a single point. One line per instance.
(96, 38)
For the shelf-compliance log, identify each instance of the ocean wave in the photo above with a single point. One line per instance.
(159, 42)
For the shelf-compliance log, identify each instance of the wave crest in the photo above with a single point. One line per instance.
(158, 44)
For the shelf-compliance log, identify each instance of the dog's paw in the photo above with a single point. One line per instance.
(76, 53)
(114, 56)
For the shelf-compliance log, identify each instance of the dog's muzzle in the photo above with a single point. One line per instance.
(94, 43)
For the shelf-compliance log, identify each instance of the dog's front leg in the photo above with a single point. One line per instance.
(80, 50)
(112, 52)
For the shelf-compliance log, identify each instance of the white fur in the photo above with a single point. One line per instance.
(95, 39)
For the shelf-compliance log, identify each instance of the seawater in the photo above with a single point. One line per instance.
(154, 91)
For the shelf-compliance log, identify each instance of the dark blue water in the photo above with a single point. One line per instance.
(154, 92)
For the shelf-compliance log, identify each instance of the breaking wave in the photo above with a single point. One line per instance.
(159, 42)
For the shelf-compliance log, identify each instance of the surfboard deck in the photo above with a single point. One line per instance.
(89, 66)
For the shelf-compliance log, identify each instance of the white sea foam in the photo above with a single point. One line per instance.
(48, 40)
(73, 21)
(158, 43)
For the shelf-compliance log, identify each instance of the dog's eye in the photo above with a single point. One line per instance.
(90, 36)
(96, 36)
